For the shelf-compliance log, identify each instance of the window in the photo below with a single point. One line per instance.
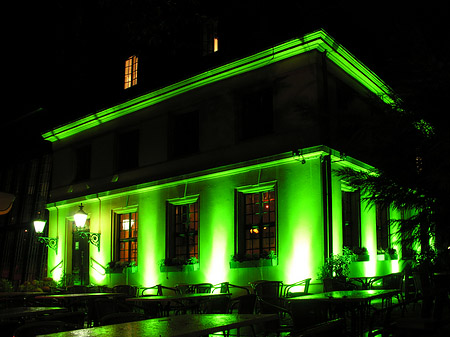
(256, 114)
(131, 67)
(351, 219)
(210, 38)
(383, 228)
(185, 134)
(257, 229)
(183, 225)
(126, 226)
(127, 150)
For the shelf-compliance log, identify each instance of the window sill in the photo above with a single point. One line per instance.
(121, 270)
(254, 263)
(180, 268)
(387, 257)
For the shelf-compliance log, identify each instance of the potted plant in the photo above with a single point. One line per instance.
(335, 270)
(179, 264)
(265, 259)
(119, 266)
(360, 254)
(390, 254)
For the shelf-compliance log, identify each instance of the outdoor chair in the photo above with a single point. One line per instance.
(268, 292)
(202, 288)
(125, 289)
(292, 290)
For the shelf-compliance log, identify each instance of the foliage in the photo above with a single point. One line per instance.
(178, 261)
(119, 265)
(247, 257)
(5, 285)
(360, 251)
(46, 284)
(65, 281)
(338, 265)
(379, 188)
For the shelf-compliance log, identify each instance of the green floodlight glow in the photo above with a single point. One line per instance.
(318, 40)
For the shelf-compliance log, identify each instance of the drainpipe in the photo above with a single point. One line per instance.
(325, 162)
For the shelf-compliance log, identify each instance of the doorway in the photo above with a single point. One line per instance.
(80, 256)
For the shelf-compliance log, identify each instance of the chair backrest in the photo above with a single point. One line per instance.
(223, 288)
(183, 288)
(268, 289)
(125, 289)
(245, 304)
(148, 291)
(297, 289)
(121, 317)
(202, 288)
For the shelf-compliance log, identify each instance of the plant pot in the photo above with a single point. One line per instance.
(254, 263)
(363, 257)
(180, 268)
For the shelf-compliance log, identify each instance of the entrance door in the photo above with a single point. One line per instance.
(80, 257)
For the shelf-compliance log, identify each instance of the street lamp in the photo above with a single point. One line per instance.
(39, 225)
(80, 218)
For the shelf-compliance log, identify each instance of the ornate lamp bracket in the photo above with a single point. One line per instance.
(51, 243)
(94, 238)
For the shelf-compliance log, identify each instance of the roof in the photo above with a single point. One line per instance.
(318, 40)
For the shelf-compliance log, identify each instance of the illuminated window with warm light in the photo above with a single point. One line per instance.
(126, 225)
(210, 38)
(131, 68)
(183, 225)
(257, 227)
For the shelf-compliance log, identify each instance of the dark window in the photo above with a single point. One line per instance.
(127, 150)
(256, 114)
(83, 163)
(383, 228)
(183, 225)
(351, 219)
(185, 134)
(257, 225)
(126, 226)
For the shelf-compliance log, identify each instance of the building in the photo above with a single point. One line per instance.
(189, 182)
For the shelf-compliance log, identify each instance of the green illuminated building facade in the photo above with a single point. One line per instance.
(224, 176)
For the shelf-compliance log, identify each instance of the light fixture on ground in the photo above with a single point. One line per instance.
(80, 218)
(39, 225)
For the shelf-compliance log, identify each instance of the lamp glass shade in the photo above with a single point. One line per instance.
(39, 226)
(80, 217)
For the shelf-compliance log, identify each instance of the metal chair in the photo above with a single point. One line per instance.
(291, 290)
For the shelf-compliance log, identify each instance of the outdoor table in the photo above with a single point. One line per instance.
(86, 300)
(165, 300)
(364, 281)
(357, 302)
(176, 326)
(28, 312)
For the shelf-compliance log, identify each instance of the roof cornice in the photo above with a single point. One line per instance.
(318, 40)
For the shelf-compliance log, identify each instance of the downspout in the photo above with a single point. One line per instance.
(325, 162)
(324, 121)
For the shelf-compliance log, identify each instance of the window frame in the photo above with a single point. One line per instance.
(172, 234)
(131, 72)
(242, 227)
(355, 218)
(117, 240)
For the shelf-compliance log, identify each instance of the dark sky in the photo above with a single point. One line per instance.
(45, 44)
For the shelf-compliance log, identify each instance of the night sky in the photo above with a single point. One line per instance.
(50, 43)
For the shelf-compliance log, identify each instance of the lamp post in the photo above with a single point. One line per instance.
(80, 218)
(39, 225)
